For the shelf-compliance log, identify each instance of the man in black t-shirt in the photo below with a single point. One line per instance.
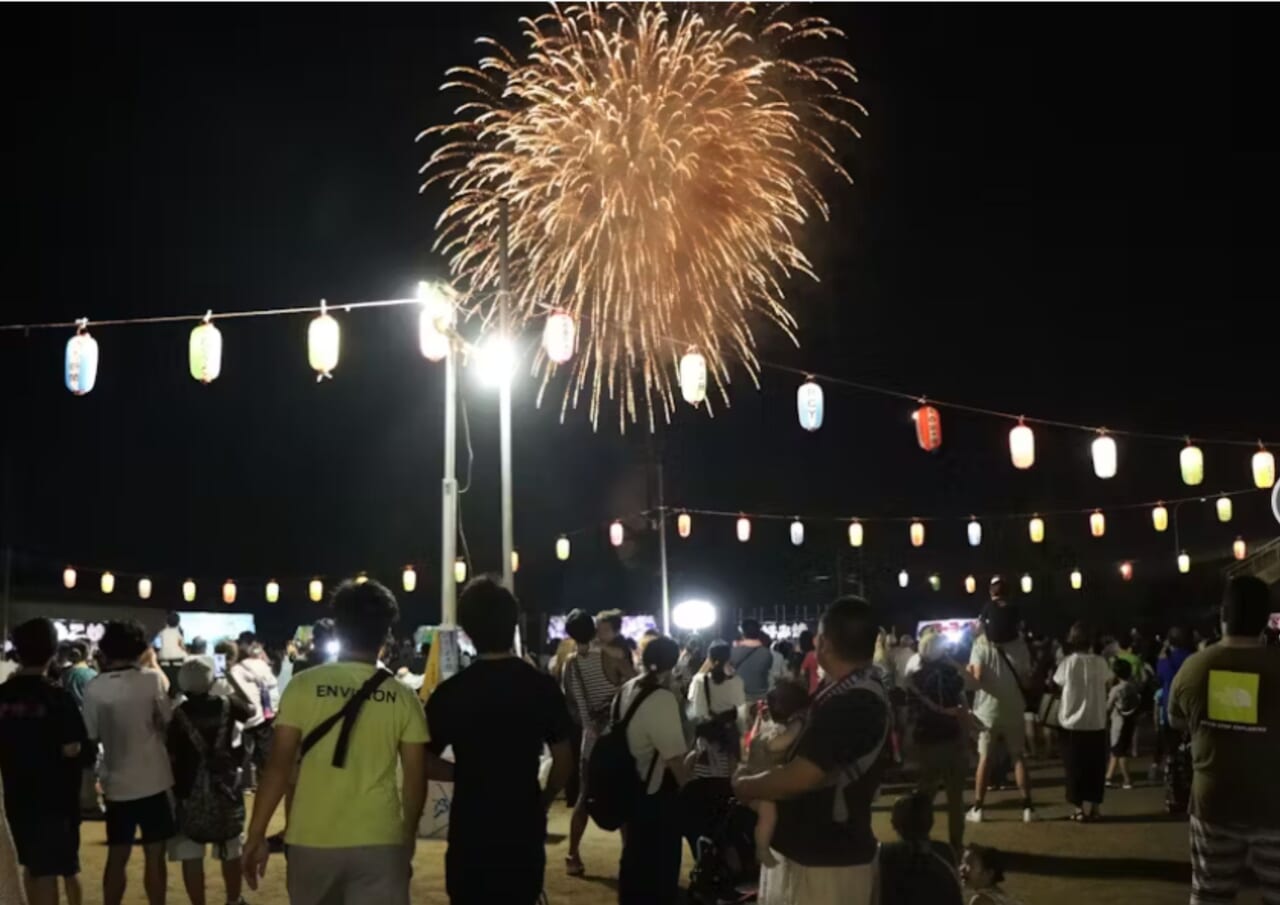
(41, 739)
(824, 845)
(497, 714)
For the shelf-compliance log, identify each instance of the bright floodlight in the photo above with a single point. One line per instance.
(495, 361)
(953, 635)
(332, 647)
(694, 615)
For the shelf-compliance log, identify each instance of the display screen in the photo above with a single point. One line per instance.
(957, 631)
(633, 627)
(215, 627)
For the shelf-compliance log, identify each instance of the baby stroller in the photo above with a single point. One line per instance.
(725, 869)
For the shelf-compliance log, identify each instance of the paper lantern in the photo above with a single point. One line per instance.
(1097, 523)
(361, 578)
(970, 584)
(409, 579)
(928, 427)
(1104, 456)
(108, 583)
(855, 533)
(323, 343)
(693, 377)
(435, 321)
(615, 533)
(315, 590)
(975, 532)
(228, 592)
(515, 561)
(809, 405)
(797, 533)
(204, 352)
(1035, 528)
(1224, 507)
(1126, 570)
(1264, 469)
(917, 534)
(1191, 461)
(744, 529)
(1022, 446)
(80, 368)
(68, 578)
(189, 591)
(273, 591)
(144, 588)
(935, 581)
(903, 578)
(684, 524)
(1077, 580)
(460, 570)
(1160, 517)
(562, 548)
(558, 336)
(1026, 584)
(1239, 549)
(1184, 563)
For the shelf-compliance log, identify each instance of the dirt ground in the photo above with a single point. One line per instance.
(1136, 856)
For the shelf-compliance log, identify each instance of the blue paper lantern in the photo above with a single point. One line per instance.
(80, 369)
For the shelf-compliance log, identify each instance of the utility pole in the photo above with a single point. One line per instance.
(504, 402)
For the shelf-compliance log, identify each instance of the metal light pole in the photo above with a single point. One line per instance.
(449, 492)
(662, 554)
(504, 404)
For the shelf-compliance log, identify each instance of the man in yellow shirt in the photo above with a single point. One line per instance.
(350, 827)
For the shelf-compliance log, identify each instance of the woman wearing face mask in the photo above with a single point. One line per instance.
(941, 717)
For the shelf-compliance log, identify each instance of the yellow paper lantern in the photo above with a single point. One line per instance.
(1097, 523)
(460, 570)
(228, 592)
(562, 548)
(970, 584)
(855, 533)
(1264, 468)
(917, 534)
(1239, 549)
(315, 590)
(1026, 584)
(361, 578)
(903, 578)
(189, 591)
(273, 591)
(515, 561)
(693, 377)
(1077, 580)
(409, 580)
(935, 581)
(108, 583)
(684, 524)
(144, 588)
(1160, 517)
(204, 352)
(1224, 508)
(1022, 446)
(68, 578)
(1191, 462)
(1184, 562)
(1104, 456)
(974, 531)
(615, 533)
(323, 343)
(1035, 528)
(744, 529)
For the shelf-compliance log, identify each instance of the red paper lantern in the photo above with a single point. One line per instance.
(928, 427)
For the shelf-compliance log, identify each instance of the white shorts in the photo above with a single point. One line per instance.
(793, 884)
(183, 849)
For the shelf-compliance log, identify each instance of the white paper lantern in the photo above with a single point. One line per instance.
(855, 533)
(68, 578)
(917, 534)
(562, 548)
(797, 533)
(1097, 523)
(559, 336)
(189, 591)
(204, 352)
(1239, 549)
(1026, 584)
(1035, 528)
(1191, 462)
(1104, 456)
(615, 533)
(975, 532)
(323, 343)
(459, 570)
(144, 588)
(362, 578)
(515, 561)
(1077, 580)
(684, 524)
(1264, 469)
(1160, 517)
(435, 321)
(935, 581)
(809, 405)
(228, 592)
(80, 368)
(1225, 509)
(1184, 563)
(693, 377)
(970, 584)
(273, 591)
(108, 583)
(744, 529)
(315, 590)
(903, 578)
(1022, 446)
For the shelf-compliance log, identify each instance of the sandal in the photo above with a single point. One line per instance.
(1079, 817)
(574, 867)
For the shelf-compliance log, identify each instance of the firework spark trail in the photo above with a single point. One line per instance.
(657, 170)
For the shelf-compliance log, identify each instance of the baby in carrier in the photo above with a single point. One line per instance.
(771, 739)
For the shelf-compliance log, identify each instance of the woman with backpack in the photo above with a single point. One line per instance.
(587, 688)
(715, 696)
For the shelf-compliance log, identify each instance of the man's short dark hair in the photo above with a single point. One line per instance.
(579, 626)
(228, 649)
(850, 628)
(77, 651)
(1079, 639)
(751, 629)
(1179, 637)
(913, 816)
(36, 641)
(197, 646)
(1002, 624)
(1246, 606)
(488, 613)
(245, 639)
(172, 619)
(1122, 668)
(363, 615)
(122, 640)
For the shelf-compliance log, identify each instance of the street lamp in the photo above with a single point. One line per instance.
(694, 615)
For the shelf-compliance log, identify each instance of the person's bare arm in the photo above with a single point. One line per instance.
(681, 769)
(794, 778)
(561, 767)
(438, 769)
(413, 791)
(271, 787)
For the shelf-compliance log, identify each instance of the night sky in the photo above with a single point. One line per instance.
(1066, 211)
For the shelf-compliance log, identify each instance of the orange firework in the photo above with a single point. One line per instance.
(657, 165)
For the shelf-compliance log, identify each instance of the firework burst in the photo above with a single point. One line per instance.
(657, 165)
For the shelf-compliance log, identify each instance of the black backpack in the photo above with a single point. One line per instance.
(213, 810)
(612, 784)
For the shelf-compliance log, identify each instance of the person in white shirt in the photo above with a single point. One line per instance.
(127, 710)
(1083, 677)
(171, 649)
(651, 852)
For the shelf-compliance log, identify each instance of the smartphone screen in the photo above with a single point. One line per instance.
(220, 665)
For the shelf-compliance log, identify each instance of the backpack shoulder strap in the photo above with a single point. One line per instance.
(224, 725)
(641, 695)
(347, 716)
(193, 734)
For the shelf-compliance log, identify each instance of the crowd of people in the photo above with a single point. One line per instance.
(753, 760)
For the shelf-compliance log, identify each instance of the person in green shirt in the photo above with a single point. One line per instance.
(1228, 697)
(351, 829)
